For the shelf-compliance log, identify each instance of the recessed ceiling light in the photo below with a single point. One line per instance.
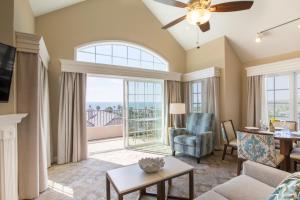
(299, 26)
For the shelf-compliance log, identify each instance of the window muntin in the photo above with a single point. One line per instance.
(145, 111)
(121, 54)
(277, 92)
(297, 103)
(196, 96)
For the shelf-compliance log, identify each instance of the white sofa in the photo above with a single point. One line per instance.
(257, 182)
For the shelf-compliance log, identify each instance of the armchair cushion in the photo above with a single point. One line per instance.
(185, 140)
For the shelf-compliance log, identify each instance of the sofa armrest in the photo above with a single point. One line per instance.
(268, 175)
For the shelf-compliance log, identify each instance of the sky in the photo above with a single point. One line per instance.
(104, 89)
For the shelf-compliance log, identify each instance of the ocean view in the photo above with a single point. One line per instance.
(115, 105)
(103, 105)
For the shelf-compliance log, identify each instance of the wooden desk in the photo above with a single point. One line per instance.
(286, 143)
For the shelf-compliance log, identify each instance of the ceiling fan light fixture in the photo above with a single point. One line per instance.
(258, 38)
(196, 16)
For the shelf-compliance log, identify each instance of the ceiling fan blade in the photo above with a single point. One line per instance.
(231, 6)
(204, 27)
(173, 3)
(176, 21)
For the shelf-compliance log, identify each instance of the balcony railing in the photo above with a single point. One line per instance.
(98, 118)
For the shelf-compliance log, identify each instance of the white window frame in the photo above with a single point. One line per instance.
(293, 92)
(192, 96)
(162, 60)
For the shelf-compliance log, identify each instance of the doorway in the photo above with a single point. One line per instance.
(104, 114)
(123, 113)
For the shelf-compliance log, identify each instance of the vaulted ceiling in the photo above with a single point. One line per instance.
(240, 27)
(41, 7)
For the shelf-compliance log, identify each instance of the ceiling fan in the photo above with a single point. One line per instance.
(199, 11)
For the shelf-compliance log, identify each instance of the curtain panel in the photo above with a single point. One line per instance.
(34, 131)
(72, 139)
(173, 94)
(186, 98)
(211, 104)
(254, 100)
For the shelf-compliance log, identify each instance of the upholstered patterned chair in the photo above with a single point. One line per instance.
(258, 148)
(197, 139)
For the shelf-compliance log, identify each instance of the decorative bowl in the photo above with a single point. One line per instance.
(151, 165)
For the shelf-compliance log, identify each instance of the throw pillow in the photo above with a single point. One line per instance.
(288, 189)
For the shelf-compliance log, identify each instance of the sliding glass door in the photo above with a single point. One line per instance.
(143, 112)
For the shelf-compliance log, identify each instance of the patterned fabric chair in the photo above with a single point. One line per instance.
(197, 139)
(258, 148)
(229, 136)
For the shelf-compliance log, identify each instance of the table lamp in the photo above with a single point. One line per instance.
(177, 109)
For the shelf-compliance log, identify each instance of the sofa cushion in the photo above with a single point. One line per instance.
(288, 189)
(211, 195)
(244, 188)
(185, 140)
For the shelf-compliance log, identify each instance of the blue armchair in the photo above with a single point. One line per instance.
(197, 139)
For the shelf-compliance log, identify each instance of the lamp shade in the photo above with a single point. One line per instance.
(177, 108)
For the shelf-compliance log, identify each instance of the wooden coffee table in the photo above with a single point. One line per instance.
(131, 178)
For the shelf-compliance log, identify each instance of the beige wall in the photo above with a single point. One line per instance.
(7, 37)
(23, 17)
(262, 61)
(6, 21)
(97, 20)
(232, 87)
(15, 15)
(104, 132)
(211, 54)
(218, 53)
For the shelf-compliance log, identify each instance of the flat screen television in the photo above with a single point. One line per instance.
(7, 59)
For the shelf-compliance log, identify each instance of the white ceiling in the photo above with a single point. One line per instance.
(240, 27)
(41, 7)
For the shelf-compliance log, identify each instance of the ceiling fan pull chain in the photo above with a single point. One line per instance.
(197, 43)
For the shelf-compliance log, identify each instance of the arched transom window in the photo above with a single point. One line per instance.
(121, 54)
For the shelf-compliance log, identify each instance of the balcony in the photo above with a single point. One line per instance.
(144, 125)
(104, 124)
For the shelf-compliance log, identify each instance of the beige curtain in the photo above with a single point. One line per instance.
(186, 98)
(173, 94)
(72, 139)
(211, 104)
(33, 132)
(254, 100)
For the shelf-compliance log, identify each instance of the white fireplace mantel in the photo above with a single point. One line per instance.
(9, 156)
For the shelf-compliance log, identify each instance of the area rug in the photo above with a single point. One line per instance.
(86, 180)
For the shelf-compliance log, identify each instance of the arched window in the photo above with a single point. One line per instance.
(121, 54)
